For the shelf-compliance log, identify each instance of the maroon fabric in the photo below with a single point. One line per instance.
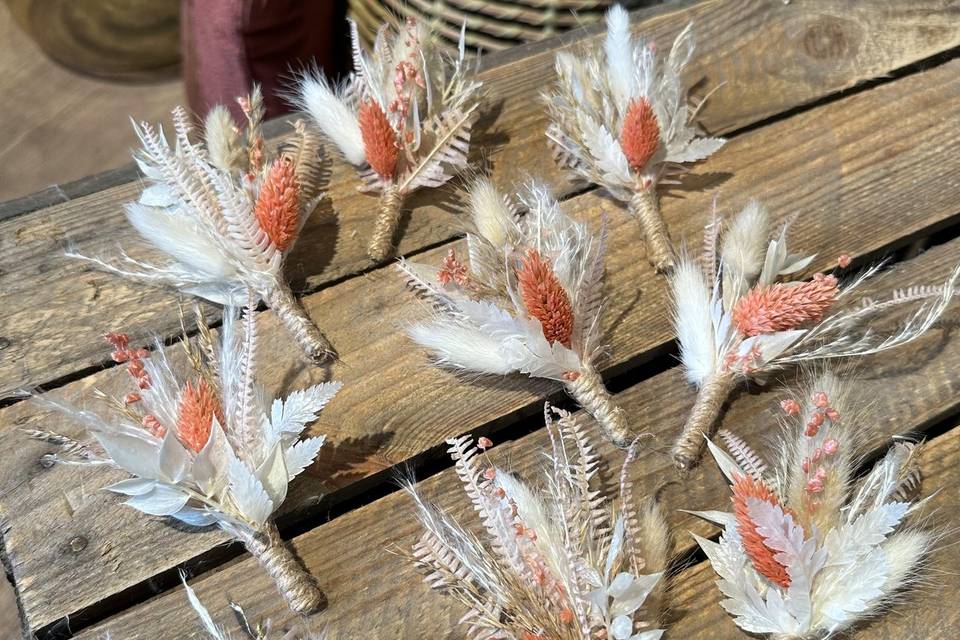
(230, 44)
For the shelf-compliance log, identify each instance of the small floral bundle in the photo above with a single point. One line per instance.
(737, 319)
(403, 118)
(529, 300)
(561, 561)
(203, 447)
(225, 215)
(809, 549)
(621, 119)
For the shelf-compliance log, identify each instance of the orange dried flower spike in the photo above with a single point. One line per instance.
(278, 204)
(779, 307)
(745, 487)
(640, 134)
(379, 139)
(545, 298)
(198, 405)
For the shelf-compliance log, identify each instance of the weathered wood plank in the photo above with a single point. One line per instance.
(772, 56)
(379, 419)
(375, 594)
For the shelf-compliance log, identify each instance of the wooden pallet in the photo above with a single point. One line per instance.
(846, 113)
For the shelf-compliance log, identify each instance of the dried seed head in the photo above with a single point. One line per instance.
(379, 139)
(198, 405)
(790, 406)
(452, 270)
(278, 204)
(779, 307)
(762, 556)
(640, 134)
(545, 298)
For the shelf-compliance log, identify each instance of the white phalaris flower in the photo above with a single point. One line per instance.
(403, 118)
(206, 446)
(810, 550)
(562, 560)
(225, 214)
(621, 120)
(739, 316)
(528, 300)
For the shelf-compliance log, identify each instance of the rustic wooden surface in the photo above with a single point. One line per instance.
(869, 171)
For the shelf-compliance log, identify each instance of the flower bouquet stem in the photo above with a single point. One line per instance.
(702, 420)
(295, 319)
(589, 392)
(645, 208)
(385, 228)
(294, 582)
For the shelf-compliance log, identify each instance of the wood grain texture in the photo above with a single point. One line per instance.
(394, 408)
(761, 48)
(376, 594)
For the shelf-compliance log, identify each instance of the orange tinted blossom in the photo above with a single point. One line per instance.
(640, 134)
(278, 204)
(545, 298)
(198, 405)
(379, 139)
(779, 307)
(744, 488)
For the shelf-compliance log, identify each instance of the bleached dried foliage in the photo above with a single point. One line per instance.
(224, 213)
(403, 117)
(621, 119)
(561, 560)
(527, 300)
(205, 446)
(810, 550)
(738, 316)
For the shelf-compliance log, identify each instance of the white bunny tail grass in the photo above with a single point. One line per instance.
(333, 110)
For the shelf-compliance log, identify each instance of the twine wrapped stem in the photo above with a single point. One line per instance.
(388, 218)
(589, 392)
(295, 584)
(645, 207)
(294, 317)
(702, 420)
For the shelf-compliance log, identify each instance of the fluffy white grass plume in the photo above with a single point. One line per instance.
(225, 214)
(621, 120)
(205, 445)
(738, 316)
(560, 560)
(527, 299)
(403, 118)
(810, 550)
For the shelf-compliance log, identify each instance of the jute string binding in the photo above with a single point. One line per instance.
(294, 317)
(702, 420)
(295, 584)
(646, 209)
(388, 218)
(589, 392)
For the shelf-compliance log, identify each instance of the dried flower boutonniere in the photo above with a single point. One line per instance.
(225, 214)
(810, 550)
(403, 118)
(736, 319)
(621, 119)
(528, 300)
(203, 447)
(561, 561)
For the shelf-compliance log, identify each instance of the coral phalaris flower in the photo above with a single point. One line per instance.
(779, 307)
(379, 139)
(640, 134)
(545, 298)
(762, 556)
(278, 204)
(198, 405)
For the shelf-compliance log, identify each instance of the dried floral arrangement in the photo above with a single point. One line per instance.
(621, 119)
(403, 118)
(203, 446)
(809, 549)
(562, 561)
(226, 214)
(528, 300)
(738, 317)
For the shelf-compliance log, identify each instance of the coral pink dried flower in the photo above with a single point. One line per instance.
(545, 298)
(452, 270)
(830, 446)
(762, 556)
(843, 261)
(153, 425)
(779, 307)
(640, 135)
(379, 139)
(484, 443)
(790, 406)
(820, 400)
(198, 405)
(278, 204)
